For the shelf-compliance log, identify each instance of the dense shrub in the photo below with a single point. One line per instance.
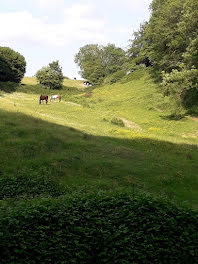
(117, 121)
(28, 185)
(12, 65)
(102, 228)
(51, 77)
(182, 86)
(117, 76)
(9, 87)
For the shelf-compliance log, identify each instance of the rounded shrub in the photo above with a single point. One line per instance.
(51, 77)
(117, 121)
(12, 65)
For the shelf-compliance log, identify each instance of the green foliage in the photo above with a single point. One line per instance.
(113, 58)
(171, 32)
(169, 40)
(28, 184)
(9, 87)
(188, 24)
(180, 85)
(98, 228)
(89, 60)
(165, 46)
(96, 62)
(137, 51)
(117, 121)
(12, 65)
(191, 54)
(51, 76)
(117, 76)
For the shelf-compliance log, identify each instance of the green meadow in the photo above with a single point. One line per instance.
(114, 137)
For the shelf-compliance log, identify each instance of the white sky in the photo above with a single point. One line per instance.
(47, 30)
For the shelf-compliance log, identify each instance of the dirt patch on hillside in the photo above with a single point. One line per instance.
(72, 103)
(193, 118)
(130, 124)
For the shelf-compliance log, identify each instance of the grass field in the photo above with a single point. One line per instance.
(112, 137)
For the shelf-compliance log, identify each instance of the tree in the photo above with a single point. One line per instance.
(181, 86)
(96, 62)
(89, 59)
(165, 46)
(51, 76)
(173, 48)
(137, 52)
(113, 58)
(12, 65)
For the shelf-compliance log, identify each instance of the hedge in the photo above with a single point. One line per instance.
(97, 228)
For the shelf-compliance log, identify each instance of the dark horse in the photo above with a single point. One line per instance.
(43, 97)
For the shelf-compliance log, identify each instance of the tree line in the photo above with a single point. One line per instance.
(13, 67)
(168, 43)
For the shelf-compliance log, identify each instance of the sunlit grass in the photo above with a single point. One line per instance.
(67, 82)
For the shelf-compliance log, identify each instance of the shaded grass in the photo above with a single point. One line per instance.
(77, 159)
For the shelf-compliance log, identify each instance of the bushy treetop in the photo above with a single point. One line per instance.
(96, 62)
(12, 65)
(51, 76)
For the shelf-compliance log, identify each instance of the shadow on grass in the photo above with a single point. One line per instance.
(173, 117)
(77, 159)
(9, 87)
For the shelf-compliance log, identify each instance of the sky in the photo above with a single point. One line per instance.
(47, 30)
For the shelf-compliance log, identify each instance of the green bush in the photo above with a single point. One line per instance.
(28, 185)
(117, 76)
(182, 87)
(51, 77)
(117, 121)
(9, 87)
(97, 228)
(12, 65)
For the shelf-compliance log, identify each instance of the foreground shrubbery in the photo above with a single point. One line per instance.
(97, 228)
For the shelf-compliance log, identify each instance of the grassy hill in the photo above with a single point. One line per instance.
(117, 136)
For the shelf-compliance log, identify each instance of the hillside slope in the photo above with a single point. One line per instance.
(112, 137)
